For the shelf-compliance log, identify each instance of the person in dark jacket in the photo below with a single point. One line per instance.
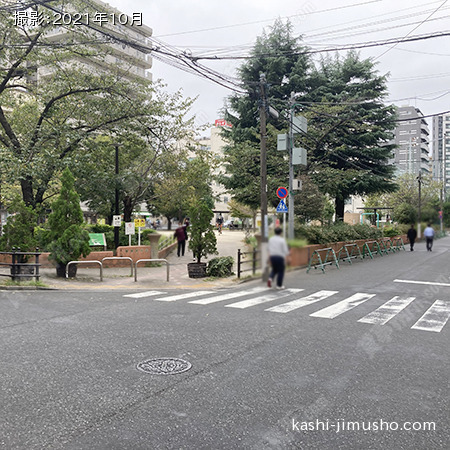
(412, 234)
(181, 235)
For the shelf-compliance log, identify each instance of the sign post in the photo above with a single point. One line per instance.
(139, 223)
(129, 230)
(282, 193)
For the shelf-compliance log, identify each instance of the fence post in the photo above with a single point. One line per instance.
(36, 270)
(239, 263)
(13, 266)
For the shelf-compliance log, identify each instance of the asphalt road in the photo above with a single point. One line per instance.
(343, 360)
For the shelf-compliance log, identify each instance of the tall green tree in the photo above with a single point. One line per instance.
(279, 55)
(51, 124)
(349, 130)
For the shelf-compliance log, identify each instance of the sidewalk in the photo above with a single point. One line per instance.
(228, 244)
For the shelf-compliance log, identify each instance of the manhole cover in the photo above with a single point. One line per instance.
(164, 366)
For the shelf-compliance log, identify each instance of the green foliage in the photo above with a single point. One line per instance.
(67, 238)
(19, 229)
(202, 240)
(220, 267)
(336, 233)
(297, 243)
(391, 231)
(73, 243)
(405, 213)
(446, 214)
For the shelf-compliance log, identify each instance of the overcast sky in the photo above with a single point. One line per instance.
(419, 71)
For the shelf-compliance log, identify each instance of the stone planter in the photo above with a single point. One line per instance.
(197, 270)
(61, 270)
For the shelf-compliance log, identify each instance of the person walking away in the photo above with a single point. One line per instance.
(412, 234)
(219, 223)
(181, 235)
(278, 252)
(429, 236)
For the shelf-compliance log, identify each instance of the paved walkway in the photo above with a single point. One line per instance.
(228, 244)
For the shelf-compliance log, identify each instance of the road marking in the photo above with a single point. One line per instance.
(335, 310)
(263, 299)
(174, 298)
(429, 283)
(228, 296)
(434, 318)
(387, 311)
(144, 294)
(300, 302)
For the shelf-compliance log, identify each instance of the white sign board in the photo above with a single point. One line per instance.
(129, 228)
(117, 220)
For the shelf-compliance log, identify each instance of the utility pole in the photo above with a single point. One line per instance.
(263, 174)
(291, 169)
(116, 210)
(419, 226)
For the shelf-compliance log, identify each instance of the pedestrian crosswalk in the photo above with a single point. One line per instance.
(432, 318)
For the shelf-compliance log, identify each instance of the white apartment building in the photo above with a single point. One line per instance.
(441, 152)
(114, 56)
(215, 145)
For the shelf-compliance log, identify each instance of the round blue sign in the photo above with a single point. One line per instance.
(282, 192)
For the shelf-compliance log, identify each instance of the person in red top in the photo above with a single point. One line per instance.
(181, 235)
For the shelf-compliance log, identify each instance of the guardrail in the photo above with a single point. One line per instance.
(254, 261)
(166, 242)
(317, 260)
(94, 261)
(110, 258)
(352, 251)
(150, 260)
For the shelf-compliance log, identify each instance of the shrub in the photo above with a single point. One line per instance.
(336, 233)
(220, 267)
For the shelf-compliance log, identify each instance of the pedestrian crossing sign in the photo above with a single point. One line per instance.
(282, 207)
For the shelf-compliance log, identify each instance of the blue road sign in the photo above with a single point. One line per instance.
(282, 208)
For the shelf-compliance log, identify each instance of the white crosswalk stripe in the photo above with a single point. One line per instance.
(228, 296)
(300, 302)
(387, 311)
(337, 309)
(144, 294)
(263, 299)
(174, 298)
(434, 318)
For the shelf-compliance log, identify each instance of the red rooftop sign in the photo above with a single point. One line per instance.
(222, 123)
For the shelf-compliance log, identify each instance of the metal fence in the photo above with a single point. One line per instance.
(20, 268)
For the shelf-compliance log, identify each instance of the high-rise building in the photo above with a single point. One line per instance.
(441, 151)
(412, 140)
(111, 55)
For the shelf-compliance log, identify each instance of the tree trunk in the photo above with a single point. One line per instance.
(27, 191)
(127, 209)
(169, 223)
(339, 209)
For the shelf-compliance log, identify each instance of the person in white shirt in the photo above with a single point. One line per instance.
(429, 236)
(278, 252)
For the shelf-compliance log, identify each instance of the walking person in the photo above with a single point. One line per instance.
(219, 223)
(278, 252)
(412, 234)
(181, 235)
(429, 236)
